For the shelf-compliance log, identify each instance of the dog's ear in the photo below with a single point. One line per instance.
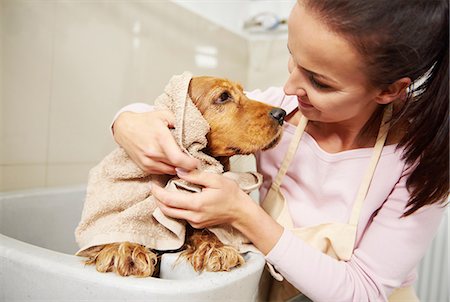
(191, 90)
(198, 88)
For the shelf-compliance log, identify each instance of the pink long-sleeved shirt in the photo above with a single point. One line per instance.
(320, 187)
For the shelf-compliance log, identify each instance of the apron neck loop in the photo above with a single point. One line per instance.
(367, 179)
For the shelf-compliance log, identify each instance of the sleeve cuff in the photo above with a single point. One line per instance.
(135, 107)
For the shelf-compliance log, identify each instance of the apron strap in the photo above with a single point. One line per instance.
(367, 179)
(273, 206)
(292, 149)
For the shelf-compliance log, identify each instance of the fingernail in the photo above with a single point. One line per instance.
(181, 171)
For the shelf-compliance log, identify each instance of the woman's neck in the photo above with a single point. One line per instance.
(338, 137)
(342, 136)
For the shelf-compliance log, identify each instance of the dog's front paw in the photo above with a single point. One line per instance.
(125, 258)
(216, 259)
(206, 253)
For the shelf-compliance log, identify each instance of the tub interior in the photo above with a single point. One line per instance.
(37, 246)
(43, 218)
(47, 218)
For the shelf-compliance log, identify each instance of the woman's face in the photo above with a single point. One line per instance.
(326, 72)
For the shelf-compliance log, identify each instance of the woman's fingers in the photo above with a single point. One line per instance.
(180, 205)
(147, 139)
(177, 158)
(193, 218)
(173, 212)
(170, 154)
(216, 204)
(164, 147)
(168, 117)
(155, 167)
(205, 179)
(175, 199)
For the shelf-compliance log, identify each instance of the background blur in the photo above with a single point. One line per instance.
(66, 67)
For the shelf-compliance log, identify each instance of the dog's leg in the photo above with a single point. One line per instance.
(206, 253)
(125, 258)
(225, 161)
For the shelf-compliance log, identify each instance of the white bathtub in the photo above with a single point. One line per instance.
(37, 263)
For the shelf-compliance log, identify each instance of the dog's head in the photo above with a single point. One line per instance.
(238, 125)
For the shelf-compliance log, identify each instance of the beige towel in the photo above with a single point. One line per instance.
(119, 206)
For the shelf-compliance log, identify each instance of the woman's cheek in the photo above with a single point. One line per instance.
(341, 107)
(321, 102)
(314, 98)
(290, 65)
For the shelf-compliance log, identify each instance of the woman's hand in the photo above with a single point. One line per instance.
(147, 139)
(221, 200)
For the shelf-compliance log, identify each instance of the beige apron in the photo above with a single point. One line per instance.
(334, 239)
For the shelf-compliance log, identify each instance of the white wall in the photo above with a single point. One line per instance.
(68, 66)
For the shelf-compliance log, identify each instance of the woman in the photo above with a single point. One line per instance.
(353, 63)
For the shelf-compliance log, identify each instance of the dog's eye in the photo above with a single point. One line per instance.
(224, 97)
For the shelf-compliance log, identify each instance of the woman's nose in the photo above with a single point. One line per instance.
(294, 84)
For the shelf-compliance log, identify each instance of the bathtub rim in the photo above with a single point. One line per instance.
(71, 266)
(39, 191)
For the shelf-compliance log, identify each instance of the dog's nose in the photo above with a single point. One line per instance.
(278, 114)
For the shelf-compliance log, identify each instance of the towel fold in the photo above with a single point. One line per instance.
(119, 206)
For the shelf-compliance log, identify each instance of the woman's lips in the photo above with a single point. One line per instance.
(303, 104)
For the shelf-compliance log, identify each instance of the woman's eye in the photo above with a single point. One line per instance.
(316, 84)
(224, 97)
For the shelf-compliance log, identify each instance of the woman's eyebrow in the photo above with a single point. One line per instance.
(318, 75)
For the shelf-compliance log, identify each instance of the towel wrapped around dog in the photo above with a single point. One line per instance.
(119, 206)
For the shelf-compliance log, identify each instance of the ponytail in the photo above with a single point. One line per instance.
(427, 139)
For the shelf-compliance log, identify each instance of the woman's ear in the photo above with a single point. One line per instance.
(394, 91)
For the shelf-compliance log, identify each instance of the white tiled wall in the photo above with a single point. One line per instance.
(68, 66)
(26, 79)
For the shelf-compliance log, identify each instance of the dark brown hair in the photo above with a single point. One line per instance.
(405, 38)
